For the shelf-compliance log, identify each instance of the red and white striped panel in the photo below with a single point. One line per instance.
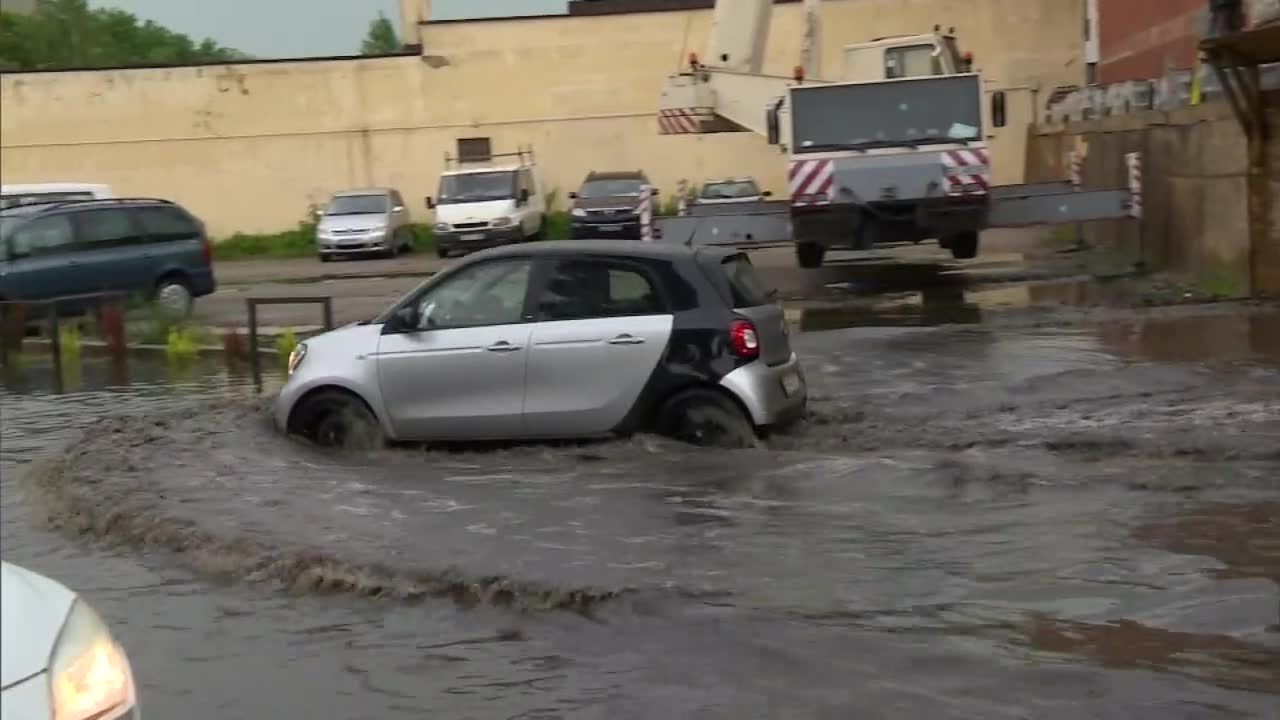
(644, 209)
(811, 181)
(967, 172)
(1134, 161)
(678, 122)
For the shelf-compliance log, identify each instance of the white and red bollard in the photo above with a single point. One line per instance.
(645, 211)
(682, 197)
(1134, 161)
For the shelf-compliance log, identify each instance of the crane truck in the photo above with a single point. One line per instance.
(895, 152)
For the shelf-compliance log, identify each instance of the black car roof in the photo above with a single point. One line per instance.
(618, 248)
(38, 208)
(616, 175)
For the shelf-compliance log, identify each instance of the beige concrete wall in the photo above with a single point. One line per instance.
(249, 146)
(1196, 192)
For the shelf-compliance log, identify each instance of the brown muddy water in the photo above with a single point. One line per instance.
(977, 522)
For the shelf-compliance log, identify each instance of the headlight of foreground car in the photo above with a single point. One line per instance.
(90, 674)
(578, 212)
(295, 357)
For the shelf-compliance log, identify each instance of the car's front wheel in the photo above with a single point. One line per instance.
(174, 297)
(706, 418)
(337, 419)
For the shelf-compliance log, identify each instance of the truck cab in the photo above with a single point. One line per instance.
(903, 56)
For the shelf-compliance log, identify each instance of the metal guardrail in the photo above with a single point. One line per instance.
(107, 306)
(255, 360)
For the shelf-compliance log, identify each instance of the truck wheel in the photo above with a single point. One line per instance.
(963, 246)
(810, 255)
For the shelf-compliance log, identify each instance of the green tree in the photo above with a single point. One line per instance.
(68, 34)
(381, 38)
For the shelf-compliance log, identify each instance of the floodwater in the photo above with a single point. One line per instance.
(977, 522)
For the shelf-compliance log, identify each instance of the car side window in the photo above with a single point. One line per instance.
(43, 236)
(112, 227)
(165, 224)
(491, 293)
(581, 289)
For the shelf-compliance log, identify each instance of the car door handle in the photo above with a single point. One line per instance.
(626, 340)
(503, 346)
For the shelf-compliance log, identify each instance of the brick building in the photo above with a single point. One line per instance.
(1143, 39)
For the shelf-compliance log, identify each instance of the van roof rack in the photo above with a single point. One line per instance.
(454, 162)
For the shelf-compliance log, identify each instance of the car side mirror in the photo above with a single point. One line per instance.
(524, 196)
(654, 192)
(431, 203)
(404, 319)
(318, 213)
(573, 196)
(398, 209)
(767, 193)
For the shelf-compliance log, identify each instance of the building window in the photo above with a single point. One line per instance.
(473, 149)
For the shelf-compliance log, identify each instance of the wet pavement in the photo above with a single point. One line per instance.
(981, 520)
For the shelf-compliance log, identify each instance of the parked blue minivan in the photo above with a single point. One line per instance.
(132, 246)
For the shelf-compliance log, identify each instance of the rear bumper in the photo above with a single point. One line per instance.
(203, 283)
(763, 389)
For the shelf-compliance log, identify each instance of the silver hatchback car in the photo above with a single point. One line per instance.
(362, 222)
(568, 339)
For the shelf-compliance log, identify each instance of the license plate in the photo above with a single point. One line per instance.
(472, 236)
(791, 384)
(610, 228)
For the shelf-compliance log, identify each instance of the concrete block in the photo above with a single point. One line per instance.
(1225, 149)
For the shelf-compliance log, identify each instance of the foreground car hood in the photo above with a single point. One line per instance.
(32, 611)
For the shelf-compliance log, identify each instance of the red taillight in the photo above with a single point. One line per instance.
(206, 250)
(743, 339)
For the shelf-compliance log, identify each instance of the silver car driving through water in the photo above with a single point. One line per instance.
(570, 339)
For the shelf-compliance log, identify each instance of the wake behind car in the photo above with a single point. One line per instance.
(60, 661)
(128, 245)
(567, 339)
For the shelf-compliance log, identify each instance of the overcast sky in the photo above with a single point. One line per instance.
(301, 28)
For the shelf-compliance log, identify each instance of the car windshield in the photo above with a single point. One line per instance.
(887, 114)
(624, 187)
(358, 205)
(477, 187)
(730, 190)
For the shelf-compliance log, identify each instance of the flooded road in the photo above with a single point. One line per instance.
(978, 522)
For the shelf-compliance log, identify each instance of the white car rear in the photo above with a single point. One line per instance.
(58, 660)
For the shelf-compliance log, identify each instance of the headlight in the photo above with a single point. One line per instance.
(441, 227)
(578, 212)
(295, 357)
(90, 674)
(377, 230)
(501, 222)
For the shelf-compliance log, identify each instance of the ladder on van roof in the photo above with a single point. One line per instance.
(523, 153)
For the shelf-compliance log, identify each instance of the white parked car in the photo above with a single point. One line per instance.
(58, 659)
(731, 190)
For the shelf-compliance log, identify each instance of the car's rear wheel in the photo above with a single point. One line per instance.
(963, 246)
(706, 418)
(337, 419)
(174, 296)
(809, 255)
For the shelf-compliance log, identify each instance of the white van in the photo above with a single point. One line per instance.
(485, 203)
(14, 195)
